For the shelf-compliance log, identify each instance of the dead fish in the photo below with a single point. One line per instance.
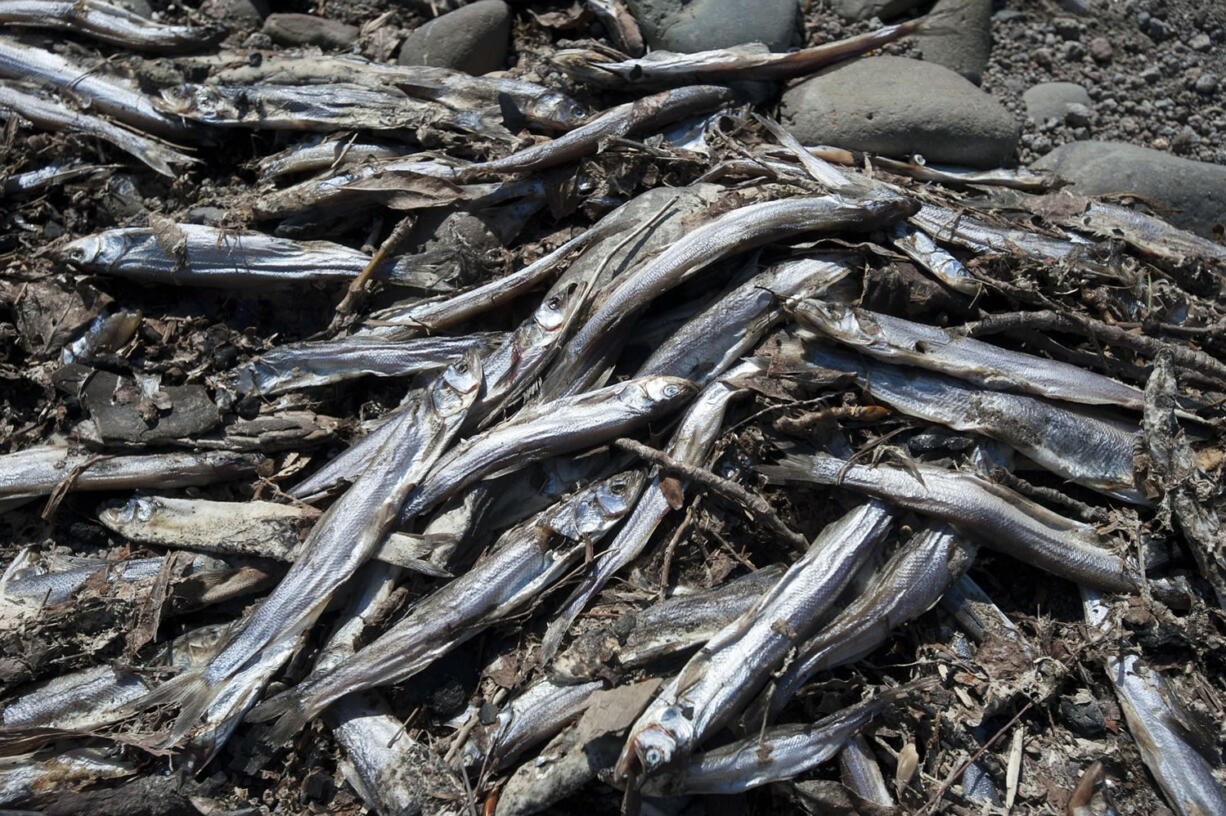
(194, 254)
(779, 753)
(320, 108)
(548, 429)
(1019, 178)
(710, 342)
(26, 777)
(116, 98)
(40, 470)
(1091, 450)
(996, 516)
(502, 97)
(1148, 235)
(1159, 725)
(530, 717)
(644, 114)
(663, 629)
(253, 528)
(917, 246)
(948, 226)
(109, 24)
(752, 61)
(903, 341)
(50, 114)
(521, 565)
(56, 173)
(336, 189)
(310, 364)
(340, 542)
(691, 443)
(726, 673)
(908, 585)
(584, 360)
(326, 154)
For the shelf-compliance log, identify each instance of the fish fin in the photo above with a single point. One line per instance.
(191, 692)
(792, 467)
(288, 710)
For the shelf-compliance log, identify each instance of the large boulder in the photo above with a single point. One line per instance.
(472, 39)
(961, 38)
(900, 107)
(699, 25)
(1195, 190)
(868, 9)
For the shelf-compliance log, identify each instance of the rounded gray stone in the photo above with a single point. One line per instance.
(1196, 190)
(308, 29)
(700, 25)
(961, 39)
(240, 14)
(472, 39)
(1052, 100)
(868, 9)
(900, 107)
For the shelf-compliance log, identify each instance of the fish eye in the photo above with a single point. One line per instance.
(671, 390)
(461, 367)
(653, 758)
(554, 303)
(76, 254)
(617, 488)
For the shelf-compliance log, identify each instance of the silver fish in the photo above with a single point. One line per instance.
(744, 228)
(691, 443)
(644, 114)
(35, 586)
(732, 667)
(1148, 235)
(108, 23)
(51, 114)
(897, 340)
(996, 516)
(752, 61)
(53, 174)
(780, 753)
(909, 584)
(535, 104)
(114, 97)
(1091, 450)
(861, 773)
(420, 317)
(326, 154)
(520, 566)
(712, 340)
(964, 230)
(27, 776)
(532, 716)
(548, 429)
(1158, 724)
(319, 108)
(663, 629)
(340, 542)
(305, 365)
(255, 528)
(194, 254)
(336, 189)
(917, 246)
(38, 471)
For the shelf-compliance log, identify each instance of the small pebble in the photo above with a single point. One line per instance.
(1100, 49)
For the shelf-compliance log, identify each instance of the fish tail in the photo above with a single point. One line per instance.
(191, 692)
(792, 467)
(290, 712)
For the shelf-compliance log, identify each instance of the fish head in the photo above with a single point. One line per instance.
(647, 393)
(663, 741)
(457, 387)
(558, 307)
(202, 102)
(91, 251)
(555, 111)
(616, 495)
(603, 504)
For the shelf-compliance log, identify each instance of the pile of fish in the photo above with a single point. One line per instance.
(670, 498)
